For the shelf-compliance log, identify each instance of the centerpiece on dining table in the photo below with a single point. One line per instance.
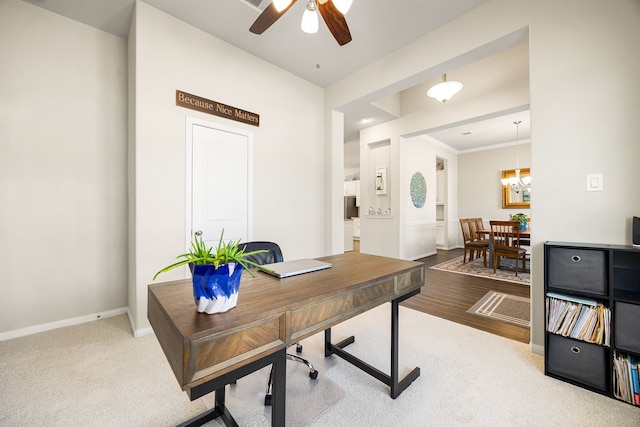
(520, 217)
(215, 274)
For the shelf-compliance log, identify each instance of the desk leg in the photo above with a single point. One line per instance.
(278, 401)
(279, 390)
(397, 387)
(219, 410)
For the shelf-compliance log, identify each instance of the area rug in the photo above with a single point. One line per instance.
(506, 272)
(504, 308)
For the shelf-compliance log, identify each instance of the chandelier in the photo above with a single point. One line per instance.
(517, 183)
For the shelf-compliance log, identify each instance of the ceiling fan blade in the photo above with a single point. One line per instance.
(267, 18)
(335, 22)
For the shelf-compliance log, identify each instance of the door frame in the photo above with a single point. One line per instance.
(193, 121)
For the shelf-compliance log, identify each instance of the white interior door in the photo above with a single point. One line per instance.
(219, 176)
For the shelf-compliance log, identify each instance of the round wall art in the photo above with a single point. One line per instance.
(418, 190)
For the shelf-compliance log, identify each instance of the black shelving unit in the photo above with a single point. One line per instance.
(602, 281)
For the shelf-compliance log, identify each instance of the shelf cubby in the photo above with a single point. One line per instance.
(596, 275)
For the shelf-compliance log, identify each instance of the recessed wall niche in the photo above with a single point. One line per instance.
(379, 179)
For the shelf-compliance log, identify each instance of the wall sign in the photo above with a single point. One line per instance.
(204, 105)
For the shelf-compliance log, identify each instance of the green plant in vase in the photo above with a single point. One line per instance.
(215, 274)
(520, 217)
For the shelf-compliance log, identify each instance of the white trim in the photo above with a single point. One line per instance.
(30, 330)
(424, 255)
(137, 333)
(536, 348)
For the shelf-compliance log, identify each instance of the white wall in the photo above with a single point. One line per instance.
(480, 190)
(418, 225)
(379, 233)
(352, 157)
(451, 222)
(583, 98)
(63, 253)
(575, 131)
(288, 147)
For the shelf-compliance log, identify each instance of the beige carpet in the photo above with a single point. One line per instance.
(503, 308)
(97, 374)
(476, 268)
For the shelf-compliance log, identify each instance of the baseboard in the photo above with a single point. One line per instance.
(424, 255)
(536, 348)
(30, 330)
(142, 332)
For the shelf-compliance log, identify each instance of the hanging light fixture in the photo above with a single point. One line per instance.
(281, 5)
(517, 183)
(342, 5)
(309, 22)
(444, 90)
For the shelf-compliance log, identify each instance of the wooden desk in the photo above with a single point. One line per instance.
(206, 352)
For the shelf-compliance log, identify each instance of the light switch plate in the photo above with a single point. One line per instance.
(594, 182)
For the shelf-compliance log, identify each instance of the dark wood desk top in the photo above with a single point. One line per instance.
(271, 313)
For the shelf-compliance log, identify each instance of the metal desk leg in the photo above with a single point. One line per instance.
(279, 390)
(397, 387)
(278, 401)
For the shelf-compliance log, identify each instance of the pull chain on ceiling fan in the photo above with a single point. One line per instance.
(332, 12)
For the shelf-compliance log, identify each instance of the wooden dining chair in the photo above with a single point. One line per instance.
(472, 243)
(505, 239)
(481, 232)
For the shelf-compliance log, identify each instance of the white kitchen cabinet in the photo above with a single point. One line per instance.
(356, 228)
(352, 188)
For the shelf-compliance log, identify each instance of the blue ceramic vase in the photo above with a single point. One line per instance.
(216, 290)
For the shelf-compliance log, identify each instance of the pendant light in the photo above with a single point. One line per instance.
(518, 183)
(309, 22)
(444, 90)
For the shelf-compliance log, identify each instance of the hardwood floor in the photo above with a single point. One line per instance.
(450, 295)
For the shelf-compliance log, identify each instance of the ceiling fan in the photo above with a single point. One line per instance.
(332, 16)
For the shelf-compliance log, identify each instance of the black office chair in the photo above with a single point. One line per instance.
(274, 254)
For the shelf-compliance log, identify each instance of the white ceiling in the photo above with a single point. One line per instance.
(378, 27)
(490, 132)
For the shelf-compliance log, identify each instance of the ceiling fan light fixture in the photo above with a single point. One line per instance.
(281, 5)
(309, 22)
(342, 5)
(444, 90)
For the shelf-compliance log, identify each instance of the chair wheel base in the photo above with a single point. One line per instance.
(313, 375)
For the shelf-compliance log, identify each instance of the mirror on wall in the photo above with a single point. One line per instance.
(516, 191)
